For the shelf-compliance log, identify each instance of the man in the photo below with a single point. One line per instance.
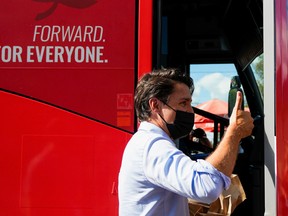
(155, 177)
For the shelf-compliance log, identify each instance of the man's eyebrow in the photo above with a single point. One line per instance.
(186, 98)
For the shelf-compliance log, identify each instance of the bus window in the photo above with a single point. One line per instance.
(257, 68)
(212, 85)
(212, 81)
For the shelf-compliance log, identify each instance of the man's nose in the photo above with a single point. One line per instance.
(190, 109)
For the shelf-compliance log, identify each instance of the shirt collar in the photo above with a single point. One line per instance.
(147, 126)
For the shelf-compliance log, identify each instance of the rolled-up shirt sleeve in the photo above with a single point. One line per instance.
(170, 168)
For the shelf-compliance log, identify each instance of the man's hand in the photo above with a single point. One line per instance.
(241, 126)
(241, 121)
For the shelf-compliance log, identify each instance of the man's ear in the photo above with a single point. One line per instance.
(155, 105)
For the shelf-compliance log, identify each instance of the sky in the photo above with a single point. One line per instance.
(211, 81)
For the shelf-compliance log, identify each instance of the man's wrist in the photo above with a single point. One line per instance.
(234, 133)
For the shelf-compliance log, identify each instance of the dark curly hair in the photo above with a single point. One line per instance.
(159, 84)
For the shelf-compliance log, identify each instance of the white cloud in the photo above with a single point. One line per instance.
(210, 86)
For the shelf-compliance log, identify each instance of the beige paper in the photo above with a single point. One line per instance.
(224, 205)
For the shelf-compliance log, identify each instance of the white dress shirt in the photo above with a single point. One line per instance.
(156, 178)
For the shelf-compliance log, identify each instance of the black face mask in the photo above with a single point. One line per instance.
(183, 124)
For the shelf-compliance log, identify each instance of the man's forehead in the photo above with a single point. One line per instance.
(181, 96)
(182, 90)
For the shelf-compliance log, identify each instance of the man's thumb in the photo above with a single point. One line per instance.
(238, 104)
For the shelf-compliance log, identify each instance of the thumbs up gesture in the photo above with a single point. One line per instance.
(240, 120)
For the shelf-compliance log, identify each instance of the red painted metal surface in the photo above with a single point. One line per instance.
(281, 106)
(56, 163)
(76, 56)
(145, 37)
(72, 54)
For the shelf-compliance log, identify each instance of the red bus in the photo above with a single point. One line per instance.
(68, 70)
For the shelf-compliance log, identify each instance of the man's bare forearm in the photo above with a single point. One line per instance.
(225, 155)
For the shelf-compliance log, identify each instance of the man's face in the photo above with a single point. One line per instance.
(180, 99)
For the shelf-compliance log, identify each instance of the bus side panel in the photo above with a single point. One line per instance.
(105, 95)
(53, 162)
(145, 37)
(78, 55)
(282, 106)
